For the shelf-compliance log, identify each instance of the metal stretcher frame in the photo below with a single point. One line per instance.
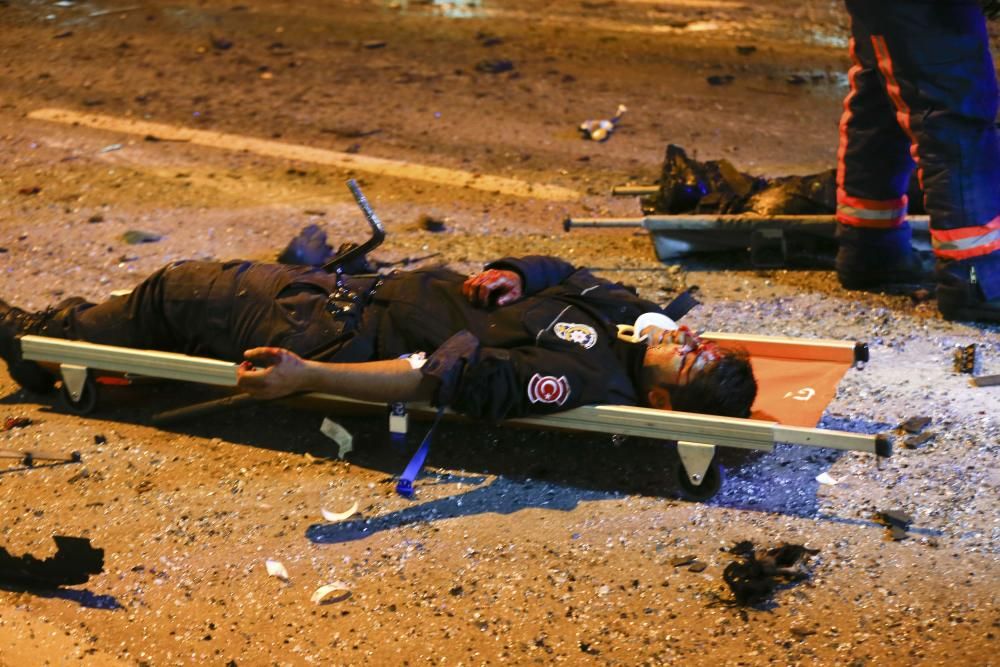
(769, 238)
(697, 435)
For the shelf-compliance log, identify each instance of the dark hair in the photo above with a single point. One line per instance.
(726, 387)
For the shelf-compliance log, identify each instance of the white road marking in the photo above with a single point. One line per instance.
(374, 165)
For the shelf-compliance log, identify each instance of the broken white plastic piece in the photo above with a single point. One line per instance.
(340, 516)
(825, 478)
(339, 434)
(276, 569)
(600, 130)
(335, 592)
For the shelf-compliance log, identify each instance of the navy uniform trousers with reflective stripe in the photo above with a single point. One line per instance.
(923, 90)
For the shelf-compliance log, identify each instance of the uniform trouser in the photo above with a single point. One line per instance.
(923, 90)
(212, 309)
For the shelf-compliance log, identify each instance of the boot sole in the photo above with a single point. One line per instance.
(971, 315)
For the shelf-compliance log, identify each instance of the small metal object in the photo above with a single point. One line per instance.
(696, 457)
(398, 422)
(965, 359)
(377, 229)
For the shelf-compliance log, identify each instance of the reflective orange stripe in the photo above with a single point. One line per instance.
(870, 213)
(866, 223)
(902, 108)
(967, 242)
(962, 233)
(845, 118)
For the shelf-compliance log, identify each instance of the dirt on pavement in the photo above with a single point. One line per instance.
(520, 547)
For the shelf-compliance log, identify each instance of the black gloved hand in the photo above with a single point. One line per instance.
(309, 248)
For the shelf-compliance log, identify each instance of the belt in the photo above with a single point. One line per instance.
(350, 299)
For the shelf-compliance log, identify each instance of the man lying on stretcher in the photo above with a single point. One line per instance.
(529, 335)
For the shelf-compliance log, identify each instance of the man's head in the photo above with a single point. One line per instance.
(680, 372)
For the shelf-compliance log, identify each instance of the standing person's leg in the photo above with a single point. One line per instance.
(873, 170)
(939, 74)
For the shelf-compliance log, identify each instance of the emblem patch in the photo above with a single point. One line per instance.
(548, 389)
(581, 334)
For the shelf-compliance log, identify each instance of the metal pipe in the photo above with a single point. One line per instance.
(634, 190)
(202, 409)
(378, 231)
(729, 221)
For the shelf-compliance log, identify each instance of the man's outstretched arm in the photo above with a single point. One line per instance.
(272, 372)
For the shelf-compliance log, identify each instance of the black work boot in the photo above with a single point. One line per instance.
(15, 323)
(869, 258)
(960, 297)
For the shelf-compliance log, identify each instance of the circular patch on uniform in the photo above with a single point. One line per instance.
(581, 334)
(548, 389)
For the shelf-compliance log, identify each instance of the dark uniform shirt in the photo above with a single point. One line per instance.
(554, 349)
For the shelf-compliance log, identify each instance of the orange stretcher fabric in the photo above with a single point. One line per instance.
(795, 392)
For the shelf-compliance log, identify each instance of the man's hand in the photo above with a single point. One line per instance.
(271, 372)
(498, 286)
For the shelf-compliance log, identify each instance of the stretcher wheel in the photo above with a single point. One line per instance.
(87, 401)
(710, 485)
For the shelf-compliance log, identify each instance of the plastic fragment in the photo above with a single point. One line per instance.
(15, 422)
(600, 130)
(276, 569)
(340, 516)
(825, 478)
(339, 434)
(329, 593)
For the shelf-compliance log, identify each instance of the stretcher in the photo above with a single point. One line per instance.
(771, 240)
(797, 378)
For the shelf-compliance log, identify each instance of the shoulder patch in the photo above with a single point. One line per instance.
(581, 334)
(548, 389)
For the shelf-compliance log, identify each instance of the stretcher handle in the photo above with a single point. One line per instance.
(378, 232)
(202, 409)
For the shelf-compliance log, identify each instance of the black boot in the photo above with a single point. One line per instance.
(961, 298)
(15, 323)
(870, 258)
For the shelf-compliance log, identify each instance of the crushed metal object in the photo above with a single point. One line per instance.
(915, 424)
(897, 522)
(965, 359)
(916, 441)
(752, 579)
